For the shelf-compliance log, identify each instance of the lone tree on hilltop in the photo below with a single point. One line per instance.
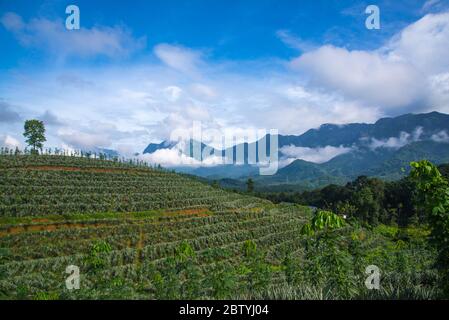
(34, 134)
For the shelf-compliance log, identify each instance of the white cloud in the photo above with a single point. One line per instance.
(179, 58)
(9, 141)
(429, 4)
(424, 44)
(203, 91)
(397, 142)
(175, 157)
(361, 75)
(398, 75)
(129, 105)
(96, 134)
(83, 140)
(293, 41)
(441, 136)
(52, 36)
(439, 85)
(173, 93)
(12, 22)
(317, 155)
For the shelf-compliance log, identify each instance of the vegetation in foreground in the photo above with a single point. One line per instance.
(142, 233)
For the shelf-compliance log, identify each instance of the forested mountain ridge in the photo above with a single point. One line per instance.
(337, 153)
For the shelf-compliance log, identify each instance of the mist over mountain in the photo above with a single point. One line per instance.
(335, 153)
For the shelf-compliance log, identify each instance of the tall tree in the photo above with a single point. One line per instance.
(35, 134)
(250, 185)
(433, 197)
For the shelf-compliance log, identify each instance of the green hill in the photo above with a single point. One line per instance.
(142, 233)
(53, 210)
(58, 185)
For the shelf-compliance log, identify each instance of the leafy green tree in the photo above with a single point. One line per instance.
(368, 198)
(250, 185)
(258, 273)
(433, 197)
(96, 259)
(215, 184)
(322, 221)
(325, 263)
(399, 202)
(223, 281)
(34, 134)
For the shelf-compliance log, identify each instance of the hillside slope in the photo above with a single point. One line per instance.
(137, 233)
(120, 224)
(59, 185)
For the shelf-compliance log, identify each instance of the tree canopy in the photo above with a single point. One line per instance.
(35, 134)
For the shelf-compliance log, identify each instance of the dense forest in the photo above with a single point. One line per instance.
(369, 200)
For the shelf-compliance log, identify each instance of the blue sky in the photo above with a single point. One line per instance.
(226, 29)
(136, 71)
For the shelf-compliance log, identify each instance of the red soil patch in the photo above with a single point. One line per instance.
(48, 227)
(62, 168)
(40, 220)
(42, 224)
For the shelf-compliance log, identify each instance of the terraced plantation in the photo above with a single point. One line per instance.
(141, 233)
(121, 224)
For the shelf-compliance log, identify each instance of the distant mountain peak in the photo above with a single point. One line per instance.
(369, 145)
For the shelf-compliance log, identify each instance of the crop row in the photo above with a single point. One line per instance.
(47, 270)
(143, 235)
(7, 161)
(156, 251)
(64, 189)
(39, 199)
(30, 177)
(92, 205)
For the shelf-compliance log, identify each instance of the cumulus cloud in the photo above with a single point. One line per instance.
(175, 156)
(396, 75)
(439, 85)
(423, 44)
(181, 121)
(147, 100)
(317, 155)
(366, 76)
(52, 36)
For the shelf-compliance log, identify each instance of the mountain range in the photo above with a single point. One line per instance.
(335, 153)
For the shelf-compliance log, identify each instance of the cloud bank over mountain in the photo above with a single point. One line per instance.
(126, 103)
